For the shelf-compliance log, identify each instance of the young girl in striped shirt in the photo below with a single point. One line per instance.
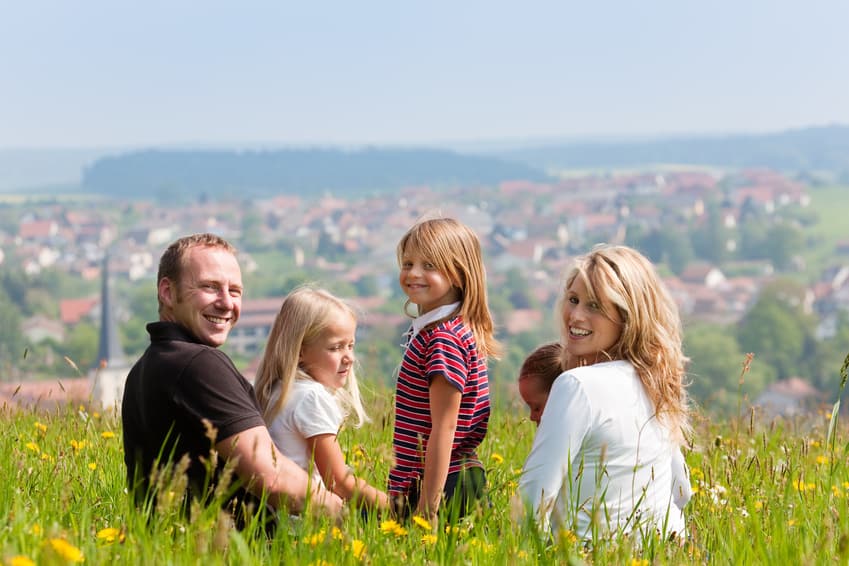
(442, 395)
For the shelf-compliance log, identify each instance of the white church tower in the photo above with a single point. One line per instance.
(110, 369)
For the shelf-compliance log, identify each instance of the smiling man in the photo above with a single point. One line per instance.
(185, 399)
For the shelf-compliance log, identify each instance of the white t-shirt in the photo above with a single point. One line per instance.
(600, 452)
(310, 410)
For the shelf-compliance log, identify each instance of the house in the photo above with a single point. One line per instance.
(37, 230)
(72, 311)
(39, 328)
(788, 397)
(703, 274)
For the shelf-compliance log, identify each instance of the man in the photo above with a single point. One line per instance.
(184, 399)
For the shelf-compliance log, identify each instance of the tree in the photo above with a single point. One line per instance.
(81, 346)
(776, 329)
(783, 241)
(710, 239)
(11, 339)
(716, 364)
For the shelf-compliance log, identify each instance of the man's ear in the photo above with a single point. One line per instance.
(167, 291)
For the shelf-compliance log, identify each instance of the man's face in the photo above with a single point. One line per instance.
(208, 298)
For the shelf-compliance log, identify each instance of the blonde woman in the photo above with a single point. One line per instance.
(307, 387)
(606, 457)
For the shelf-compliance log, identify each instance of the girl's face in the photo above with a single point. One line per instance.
(328, 359)
(534, 396)
(589, 332)
(424, 284)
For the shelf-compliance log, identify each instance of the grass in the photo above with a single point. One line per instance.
(830, 204)
(765, 492)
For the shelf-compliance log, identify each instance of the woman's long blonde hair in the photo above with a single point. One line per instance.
(305, 313)
(455, 251)
(651, 337)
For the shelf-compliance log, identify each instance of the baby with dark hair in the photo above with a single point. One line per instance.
(536, 376)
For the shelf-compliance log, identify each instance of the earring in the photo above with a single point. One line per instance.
(407, 303)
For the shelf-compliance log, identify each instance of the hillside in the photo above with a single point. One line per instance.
(810, 149)
(296, 171)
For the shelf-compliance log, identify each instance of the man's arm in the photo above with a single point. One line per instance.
(264, 469)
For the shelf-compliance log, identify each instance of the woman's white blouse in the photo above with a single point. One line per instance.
(600, 455)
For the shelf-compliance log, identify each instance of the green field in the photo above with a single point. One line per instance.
(831, 204)
(766, 492)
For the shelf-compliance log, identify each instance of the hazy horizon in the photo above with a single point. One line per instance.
(263, 73)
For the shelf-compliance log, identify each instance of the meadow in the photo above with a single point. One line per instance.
(765, 492)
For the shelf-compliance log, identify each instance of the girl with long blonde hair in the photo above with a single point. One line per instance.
(307, 387)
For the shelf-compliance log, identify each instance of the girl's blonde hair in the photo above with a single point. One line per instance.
(455, 251)
(305, 313)
(651, 326)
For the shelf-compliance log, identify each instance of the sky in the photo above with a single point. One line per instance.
(106, 73)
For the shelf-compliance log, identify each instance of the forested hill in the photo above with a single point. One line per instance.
(259, 173)
(809, 149)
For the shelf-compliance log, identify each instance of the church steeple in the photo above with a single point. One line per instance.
(110, 353)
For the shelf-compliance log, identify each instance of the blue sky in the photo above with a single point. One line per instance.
(118, 73)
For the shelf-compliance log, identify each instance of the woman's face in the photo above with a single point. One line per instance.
(534, 396)
(589, 331)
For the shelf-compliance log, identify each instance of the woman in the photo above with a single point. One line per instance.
(606, 457)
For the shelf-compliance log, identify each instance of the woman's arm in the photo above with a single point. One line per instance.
(445, 401)
(557, 444)
(330, 463)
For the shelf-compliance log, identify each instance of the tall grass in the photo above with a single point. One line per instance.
(765, 492)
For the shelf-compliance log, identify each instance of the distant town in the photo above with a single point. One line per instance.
(717, 237)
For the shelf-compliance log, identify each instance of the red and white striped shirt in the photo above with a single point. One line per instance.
(448, 349)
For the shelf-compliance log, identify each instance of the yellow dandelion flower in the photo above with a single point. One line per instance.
(107, 434)
(336, 533)
(696, 474)
(639, 562)
(358, 549)
(110, 535)
(316, 539)
(517, 471)
(388, 526)
(19, 560)
(78, 445)
(497, 458)
(815, 444)
(835, 491)
(40, 427)
(422, 522)
(66, 550)
(822, 459)
(95, 415)
(759, 505)
(810, 486)
(791, 522)
(568, 536)
(521, 554)
(35, 529)
(846, 485)
(46, 456)
(695, 488)
(33, 446)
(429, 539)
(92, 466)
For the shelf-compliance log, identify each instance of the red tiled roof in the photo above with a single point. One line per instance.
(73, 310)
